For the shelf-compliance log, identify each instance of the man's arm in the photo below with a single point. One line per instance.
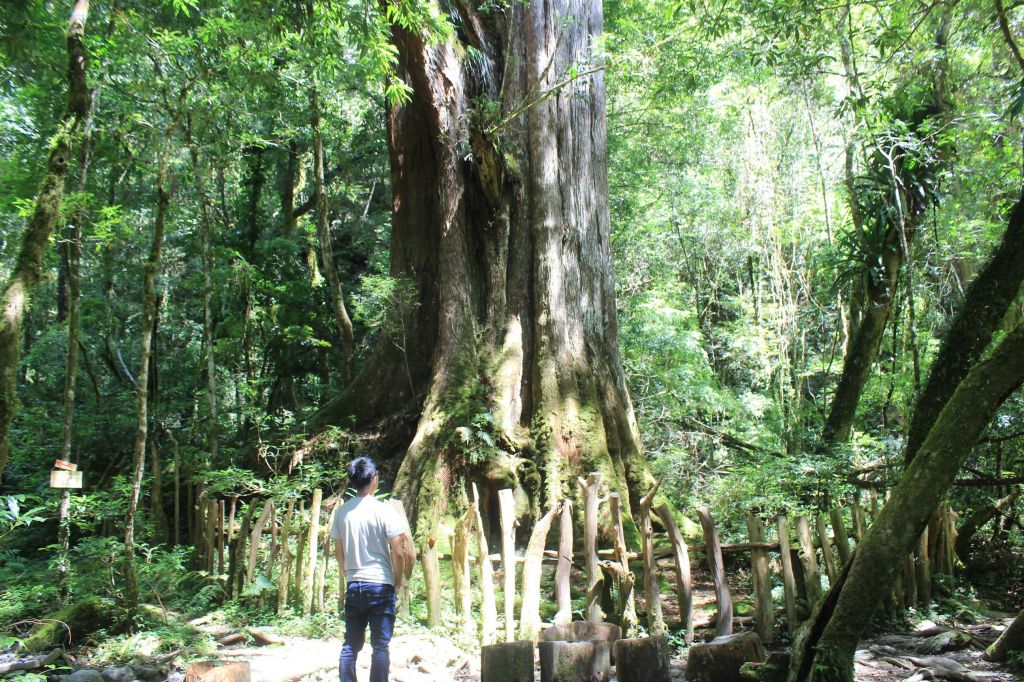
(339, 554)
(402, 558)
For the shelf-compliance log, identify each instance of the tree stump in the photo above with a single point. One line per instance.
(582, 631)
(645, 659)
(720, 659)
(507, 662)
(217, 671)
(575, 661)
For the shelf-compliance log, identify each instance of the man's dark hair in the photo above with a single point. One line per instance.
(361, 471)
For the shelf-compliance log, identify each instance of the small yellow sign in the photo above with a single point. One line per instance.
(65, 479)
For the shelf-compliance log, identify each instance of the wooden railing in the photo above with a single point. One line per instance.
(802, 555)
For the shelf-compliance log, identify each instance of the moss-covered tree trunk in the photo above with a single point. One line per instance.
(1011, 641)
(35, 240)
(501, 225)
(983, 309)
(825, 646)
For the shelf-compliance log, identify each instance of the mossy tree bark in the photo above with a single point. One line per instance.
(989, 296)
(1012, 640)
(501, 224)
(824, 649)
(34, 241)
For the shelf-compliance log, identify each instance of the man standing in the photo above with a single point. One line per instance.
(374, 549)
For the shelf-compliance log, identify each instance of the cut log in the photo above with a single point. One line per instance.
(575, 661)
(529, 616)
(655, 620)
(218, 671)
(723, 619)
(764, 610)
(684, 589)
(263, 638)
(720, 659)
(582, 631)
(507, 662)
(788, 577)
(644, 659)
(507, 516)
(562, 573)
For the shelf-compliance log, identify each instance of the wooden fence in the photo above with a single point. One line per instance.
(294, 544)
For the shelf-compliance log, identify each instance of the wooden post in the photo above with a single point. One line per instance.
(627, 593)
(312, 545)
(230, 529)
(220, 536)
(197, 521)
(788, 578)
(808, 560)
(589, 489)
(488, 608)
(529, 615)
(684, 589)
(826, 550)
(286, 561)
(254, 544)
(562, 572)
(713, 549)
(924, 572)
(507, 516)
(839, 532)
(859, 524)
(319, 604)
(212, 545)
(460, 572)
(236, 572)
(652, 591)
(764, 611)
(295, 590)
(274, 530)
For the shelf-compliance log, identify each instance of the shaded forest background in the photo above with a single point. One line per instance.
(785, 180)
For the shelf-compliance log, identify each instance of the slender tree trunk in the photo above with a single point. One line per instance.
(34, 241)
(501, 227)
(825, 647)
(206, 238)
(149, 309)
(323, 233)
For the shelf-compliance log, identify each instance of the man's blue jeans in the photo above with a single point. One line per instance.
(370, 604)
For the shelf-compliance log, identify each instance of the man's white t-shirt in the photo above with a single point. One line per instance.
(364, 525)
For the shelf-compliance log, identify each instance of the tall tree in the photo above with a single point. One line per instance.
(501, 223)
(887, 204)
(45, 216)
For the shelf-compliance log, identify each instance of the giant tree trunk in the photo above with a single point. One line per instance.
(149, 306)
(35, 240)
(501, 223)
(825, 646)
